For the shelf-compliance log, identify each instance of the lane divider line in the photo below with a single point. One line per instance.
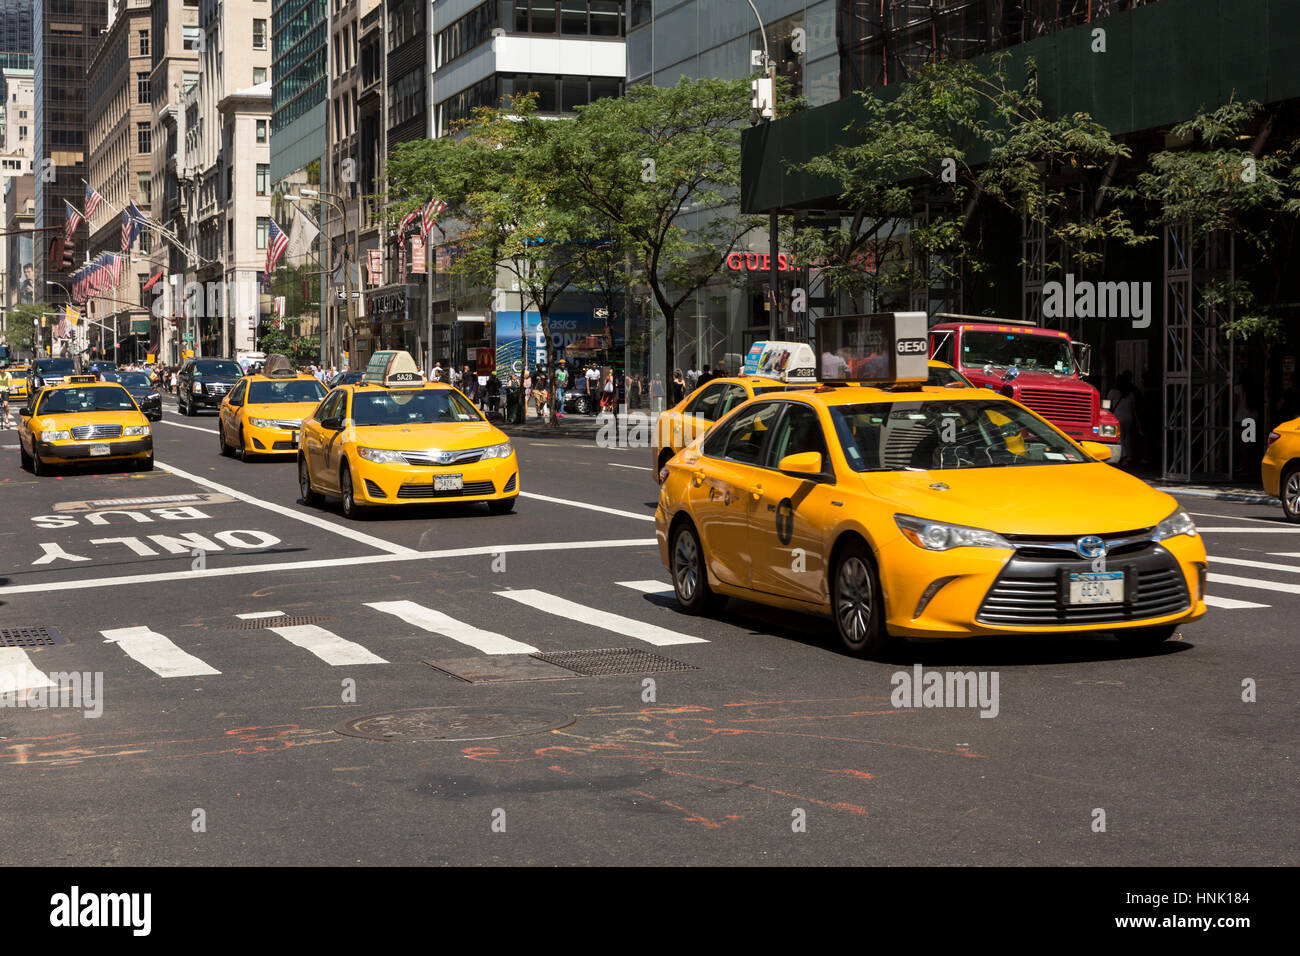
(588, 507)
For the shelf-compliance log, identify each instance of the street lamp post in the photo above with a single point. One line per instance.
(774, 272)
(336, 201)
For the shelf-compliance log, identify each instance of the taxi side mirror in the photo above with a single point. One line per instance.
(332, 424)
(1096, 450)
(24, 410)
(806, 464)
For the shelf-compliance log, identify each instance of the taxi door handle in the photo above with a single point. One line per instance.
(697, 476)
(757, 492)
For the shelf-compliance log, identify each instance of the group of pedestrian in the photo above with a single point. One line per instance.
(327, 376)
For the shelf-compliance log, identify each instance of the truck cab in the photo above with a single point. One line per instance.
(1040, 368)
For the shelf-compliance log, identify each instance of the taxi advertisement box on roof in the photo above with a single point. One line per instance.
(883, 346)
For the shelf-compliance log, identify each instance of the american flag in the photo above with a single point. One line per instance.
(93, 200)
(429, 215)
(413, 215)
(276, 243)
(73, 221)
(132, 226)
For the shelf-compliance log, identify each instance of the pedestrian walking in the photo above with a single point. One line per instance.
(657, 394)
(561, 384)
(679, 386)
(540, 395)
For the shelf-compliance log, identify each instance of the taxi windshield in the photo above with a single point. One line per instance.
(943, 435)
(292, 390)
(103, 398)
(401, 406)
(1036, 353)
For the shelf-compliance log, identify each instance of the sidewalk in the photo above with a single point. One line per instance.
(571, 426)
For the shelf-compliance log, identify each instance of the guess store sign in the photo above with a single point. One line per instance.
(757, 262)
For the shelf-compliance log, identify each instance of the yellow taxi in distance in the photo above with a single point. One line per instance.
(81, 419)
(393, 439)
(1280, 468)
(264, 412)
(911, 511)
(18, 381)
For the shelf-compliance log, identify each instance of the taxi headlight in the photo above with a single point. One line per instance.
(1177, 523)
(381, 456)
(939, 536)
(261, 423)
(135, 430)
(503, 450)
(56, 435)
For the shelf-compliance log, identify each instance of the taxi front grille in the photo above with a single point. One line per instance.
(85, 432)
(470, 490)
(1062, 407)
(1032, 592)
(439, 459)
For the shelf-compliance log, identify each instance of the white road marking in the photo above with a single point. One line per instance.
(436, 622)
(196, 428)
(589, 507)
(273, 566)
(615, 464)
(314, 520)
(1206, 514)
(1231, 604)
(581, 614)
(1266, 565)
(1284, 554)
(157, 652)
(1253, 583)
(17, 672)
(327, 645)
(647, 587)
(258, 615)
(1248, 530)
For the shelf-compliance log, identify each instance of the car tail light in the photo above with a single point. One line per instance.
(663, 474)
(1272, 437)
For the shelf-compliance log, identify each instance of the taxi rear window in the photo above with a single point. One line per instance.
(102, 398)
(402, 406)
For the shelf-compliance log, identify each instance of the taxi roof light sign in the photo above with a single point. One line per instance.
(392, 368)
(880, 347)
(277, 366)
(787, 361)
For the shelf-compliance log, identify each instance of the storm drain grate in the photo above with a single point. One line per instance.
(283, 621)
(30, 637)
(610, 661)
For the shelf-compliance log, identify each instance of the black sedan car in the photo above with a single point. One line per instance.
(145, 395)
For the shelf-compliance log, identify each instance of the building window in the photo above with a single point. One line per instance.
(22, 132)
(261, 131)
(263, 227)
(143, 138)
(144, 43)
(468, 32)
(142, 87)
(264, 179)
(259, 34)
(259, 75)
(144, 188)
(192, 38)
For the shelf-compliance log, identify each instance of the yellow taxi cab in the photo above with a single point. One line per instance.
(901, 510)
(82, 419)
(18, 381)
(1280, 467)
(695, 414)
(263, 414)
(394, 439)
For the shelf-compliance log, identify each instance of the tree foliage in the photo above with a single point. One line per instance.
(20, 325)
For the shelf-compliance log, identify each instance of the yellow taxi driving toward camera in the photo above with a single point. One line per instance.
(903, 510)
(80, 420)
(18, 375)
(394, 439)
(1280, 468)
(263, 414)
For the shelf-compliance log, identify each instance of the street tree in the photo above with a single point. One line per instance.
(20, 325)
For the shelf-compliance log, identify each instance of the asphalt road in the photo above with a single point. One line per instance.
(211, 717)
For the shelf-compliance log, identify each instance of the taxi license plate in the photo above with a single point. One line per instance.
(448, 482)
(100, 449)
(1106, 587)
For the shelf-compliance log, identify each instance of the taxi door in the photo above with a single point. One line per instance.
(786, 535)
(229, 412)
(316, 438)
(722, 492)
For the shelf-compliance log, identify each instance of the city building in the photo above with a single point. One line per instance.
(19, 277)
(16, 122)
(65, 32)
(120, 169)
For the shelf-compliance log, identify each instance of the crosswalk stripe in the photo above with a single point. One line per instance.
(1253, 583)
(157, 652)
(1267, 565)
(258, 615)
(17, 672)
(647, 587)
(327, 645)
(438, 623)
(582, 614)
(1230, 604)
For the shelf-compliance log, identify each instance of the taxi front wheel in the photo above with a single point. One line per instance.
(857, 603)
(351, 509)
(502, 506)
(1147, 636)
(690, 575)
(309, 495)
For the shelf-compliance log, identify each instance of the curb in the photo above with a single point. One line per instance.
(1249, 497)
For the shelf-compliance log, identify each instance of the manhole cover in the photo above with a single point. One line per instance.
(29, 637)
(500, 667)
(283, 621)
(610, 661)
(454, 723)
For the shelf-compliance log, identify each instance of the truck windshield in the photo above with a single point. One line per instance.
(1035, 353)
(952, 433)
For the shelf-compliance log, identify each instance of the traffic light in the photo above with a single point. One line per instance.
(67, 255)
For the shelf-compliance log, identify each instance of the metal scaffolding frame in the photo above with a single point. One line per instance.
(1198, 360)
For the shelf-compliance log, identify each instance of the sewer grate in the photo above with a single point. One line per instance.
(500, 668)
(610, 661)
(265, 622)
(30, 637)
(453, 723)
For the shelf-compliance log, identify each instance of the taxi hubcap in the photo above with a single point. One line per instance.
(1293, 493)
(304, 482)
(854, 604)
(687, 558)
(347, 490)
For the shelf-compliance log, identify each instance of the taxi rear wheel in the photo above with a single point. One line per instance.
(1290, 492)
(349, 502)
(857, 603)
(690, 575)
(309, 495)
